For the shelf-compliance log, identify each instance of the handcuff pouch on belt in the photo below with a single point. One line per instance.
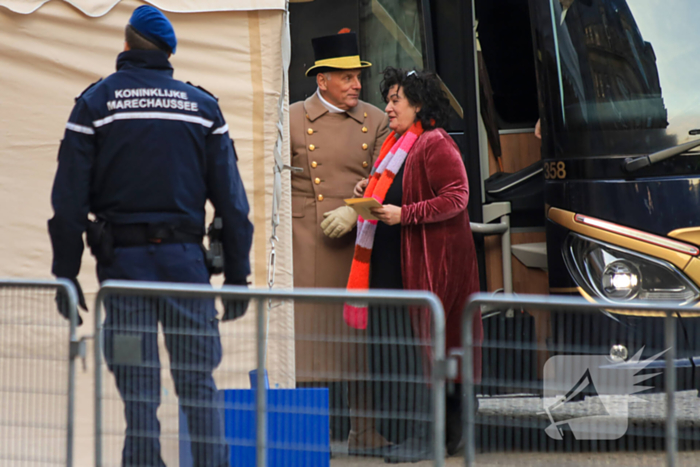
(214, 256)
(101, 241)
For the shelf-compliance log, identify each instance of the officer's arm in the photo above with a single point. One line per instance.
(70, 196)
(228, 196)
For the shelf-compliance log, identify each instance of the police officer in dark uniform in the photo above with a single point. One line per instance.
(143, 152)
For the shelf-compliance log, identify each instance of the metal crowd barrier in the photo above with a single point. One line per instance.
(37, 372)
(570, 306)
(395, 378)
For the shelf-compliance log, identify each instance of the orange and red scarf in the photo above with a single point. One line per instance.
(391, 158)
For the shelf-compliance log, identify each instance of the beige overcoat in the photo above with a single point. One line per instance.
(335, 151)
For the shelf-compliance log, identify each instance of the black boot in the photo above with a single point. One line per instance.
(414, 449)
(454, 423)
(418, 446)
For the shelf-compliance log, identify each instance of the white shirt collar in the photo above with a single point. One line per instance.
(331, 108)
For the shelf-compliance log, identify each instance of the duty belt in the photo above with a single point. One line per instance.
(126, 235)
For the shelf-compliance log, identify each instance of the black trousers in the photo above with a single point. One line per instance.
(400, 389)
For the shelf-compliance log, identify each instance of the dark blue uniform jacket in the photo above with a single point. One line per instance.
(142, 147)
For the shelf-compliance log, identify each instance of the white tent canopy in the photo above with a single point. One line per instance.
(97, 8)
(52, 50)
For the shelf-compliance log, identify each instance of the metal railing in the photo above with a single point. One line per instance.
(38, 425)
(120, 292)
(37, 368)
(484, 302)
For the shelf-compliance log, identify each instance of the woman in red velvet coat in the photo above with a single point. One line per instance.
(424, 241)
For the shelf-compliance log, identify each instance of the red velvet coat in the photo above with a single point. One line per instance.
(437, 246)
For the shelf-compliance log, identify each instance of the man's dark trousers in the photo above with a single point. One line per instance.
(192, 339)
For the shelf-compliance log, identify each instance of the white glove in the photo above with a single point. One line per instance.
(339, 222)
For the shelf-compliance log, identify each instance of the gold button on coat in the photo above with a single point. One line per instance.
(364, 146)
(314, 164)
(320, 197)
(311, 147)
(317, 181)
(365, 164)
(365, 114)
(364, 129)
(310, 131)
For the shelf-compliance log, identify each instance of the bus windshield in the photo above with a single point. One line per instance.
(391, 35)
(617, 77)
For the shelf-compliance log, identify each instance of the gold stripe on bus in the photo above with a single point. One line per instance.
(688, 234)
(638, 235)
(567, 219)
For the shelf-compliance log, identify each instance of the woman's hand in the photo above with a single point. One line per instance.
(389, 214)
(360, 188)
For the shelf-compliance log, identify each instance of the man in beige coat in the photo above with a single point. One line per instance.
(335, 140)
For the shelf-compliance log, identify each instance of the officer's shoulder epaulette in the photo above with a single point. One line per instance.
(87, 89)
(204, 90)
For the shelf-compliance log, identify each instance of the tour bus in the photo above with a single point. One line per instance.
(576, 120)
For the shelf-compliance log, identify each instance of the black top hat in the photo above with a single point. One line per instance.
(336, 52)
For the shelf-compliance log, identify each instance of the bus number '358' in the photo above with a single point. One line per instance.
(554, 170)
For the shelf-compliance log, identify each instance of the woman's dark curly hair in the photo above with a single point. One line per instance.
(420, 88)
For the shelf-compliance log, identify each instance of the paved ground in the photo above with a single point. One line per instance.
(626, 459)
(523, 411)
(645, 448)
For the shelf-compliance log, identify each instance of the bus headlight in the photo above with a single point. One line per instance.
(619, 275)
(621, 280)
